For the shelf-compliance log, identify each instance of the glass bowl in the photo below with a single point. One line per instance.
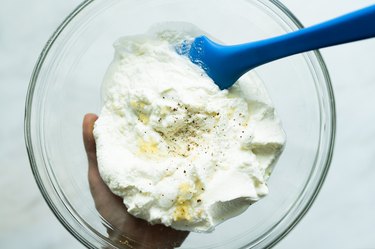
(66, 84)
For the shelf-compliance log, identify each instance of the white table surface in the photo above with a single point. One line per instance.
(343, 216)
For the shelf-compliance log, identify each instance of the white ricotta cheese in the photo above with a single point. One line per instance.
(178, 150)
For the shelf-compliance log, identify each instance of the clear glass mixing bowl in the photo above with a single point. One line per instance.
(66, 84)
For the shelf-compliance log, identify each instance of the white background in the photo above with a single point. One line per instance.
(343, 215)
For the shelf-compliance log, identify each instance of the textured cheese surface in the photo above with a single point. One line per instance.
(178, 150)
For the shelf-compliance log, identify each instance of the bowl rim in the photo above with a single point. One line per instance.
(30, 95)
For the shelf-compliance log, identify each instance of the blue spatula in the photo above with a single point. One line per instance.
(226, 64)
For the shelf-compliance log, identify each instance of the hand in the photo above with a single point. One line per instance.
(130, 232)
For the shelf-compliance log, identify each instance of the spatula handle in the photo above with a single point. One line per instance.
(351, 27)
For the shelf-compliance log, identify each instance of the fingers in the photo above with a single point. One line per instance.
(106, 203)
(90, 146)
(97, 186)
(88, 138)
(95, 181)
